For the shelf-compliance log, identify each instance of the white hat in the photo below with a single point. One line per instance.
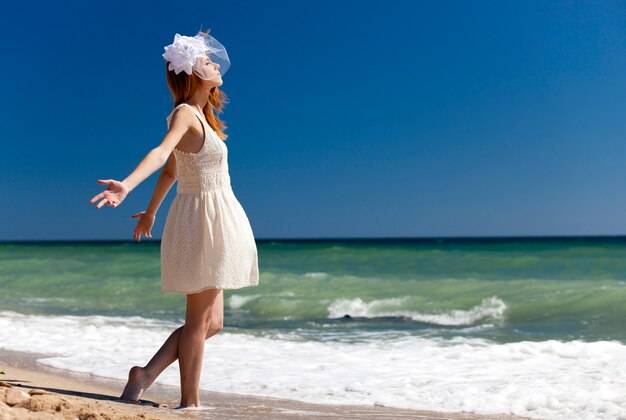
(184, 52)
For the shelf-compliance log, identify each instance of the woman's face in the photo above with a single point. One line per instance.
(209, 71)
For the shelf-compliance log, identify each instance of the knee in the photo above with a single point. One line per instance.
(214, 328)
(196, 329)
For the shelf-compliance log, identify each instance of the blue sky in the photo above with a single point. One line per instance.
(346, 118)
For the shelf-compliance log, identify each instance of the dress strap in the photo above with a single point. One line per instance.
(195, 111)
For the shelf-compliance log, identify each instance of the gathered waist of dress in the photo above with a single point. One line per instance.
(200, 182)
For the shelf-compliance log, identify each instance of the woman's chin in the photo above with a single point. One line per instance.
(214, 83)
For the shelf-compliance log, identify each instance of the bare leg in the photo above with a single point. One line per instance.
(191, 344)
(140, 378)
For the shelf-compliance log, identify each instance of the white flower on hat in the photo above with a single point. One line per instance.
(183, 53)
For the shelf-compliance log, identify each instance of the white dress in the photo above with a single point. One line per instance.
(207, 241)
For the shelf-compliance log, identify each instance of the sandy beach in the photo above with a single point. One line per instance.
(33, 391)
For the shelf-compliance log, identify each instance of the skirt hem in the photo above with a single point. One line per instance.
(211, 287)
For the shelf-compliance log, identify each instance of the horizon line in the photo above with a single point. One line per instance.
(355, 238)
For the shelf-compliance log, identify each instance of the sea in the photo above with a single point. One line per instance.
(529, 326)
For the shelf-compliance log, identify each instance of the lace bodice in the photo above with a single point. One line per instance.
(205, 170)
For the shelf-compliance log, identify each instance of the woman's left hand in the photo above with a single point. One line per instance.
(112, 196)
(144, 225)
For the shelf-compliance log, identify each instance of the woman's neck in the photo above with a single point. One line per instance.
(199, 99)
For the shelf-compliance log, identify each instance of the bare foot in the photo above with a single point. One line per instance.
(189, 404)
(138, 382)
(194, 407)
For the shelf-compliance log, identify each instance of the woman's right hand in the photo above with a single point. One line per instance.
(144, 225)
(113, 195)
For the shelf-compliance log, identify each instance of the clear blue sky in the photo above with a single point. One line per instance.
(346, 118)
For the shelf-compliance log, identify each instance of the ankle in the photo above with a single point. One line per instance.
(149, 376)
(195, 403)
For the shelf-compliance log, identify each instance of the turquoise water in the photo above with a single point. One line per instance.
(505, 290)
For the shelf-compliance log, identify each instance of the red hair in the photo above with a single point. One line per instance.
(183, 86)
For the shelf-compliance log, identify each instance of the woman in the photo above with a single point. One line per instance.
(207, 243)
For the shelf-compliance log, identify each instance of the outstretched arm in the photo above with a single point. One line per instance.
(117, 191)
(181, 121)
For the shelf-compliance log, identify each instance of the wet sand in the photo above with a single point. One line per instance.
(35, 391)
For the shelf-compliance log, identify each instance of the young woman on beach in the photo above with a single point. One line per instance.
(207, 243)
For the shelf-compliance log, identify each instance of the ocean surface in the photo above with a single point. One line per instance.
(527, 326)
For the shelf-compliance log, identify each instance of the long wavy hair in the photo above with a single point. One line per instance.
(183, 86)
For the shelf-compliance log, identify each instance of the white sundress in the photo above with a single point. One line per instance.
(207, 240)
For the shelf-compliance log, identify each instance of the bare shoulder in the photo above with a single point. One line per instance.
(182, 118)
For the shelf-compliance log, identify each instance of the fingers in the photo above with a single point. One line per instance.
(101, 195)
(108, 202)
(141, 230)
(145, 233)
(96, 198)
(104, 194)
(137, 235)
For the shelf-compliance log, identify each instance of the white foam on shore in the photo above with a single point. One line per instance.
(491, 307)
(316, 275)
(549, 379)
(237, 301)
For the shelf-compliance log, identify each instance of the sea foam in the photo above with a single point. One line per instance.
(491, 307)
(549, 379)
